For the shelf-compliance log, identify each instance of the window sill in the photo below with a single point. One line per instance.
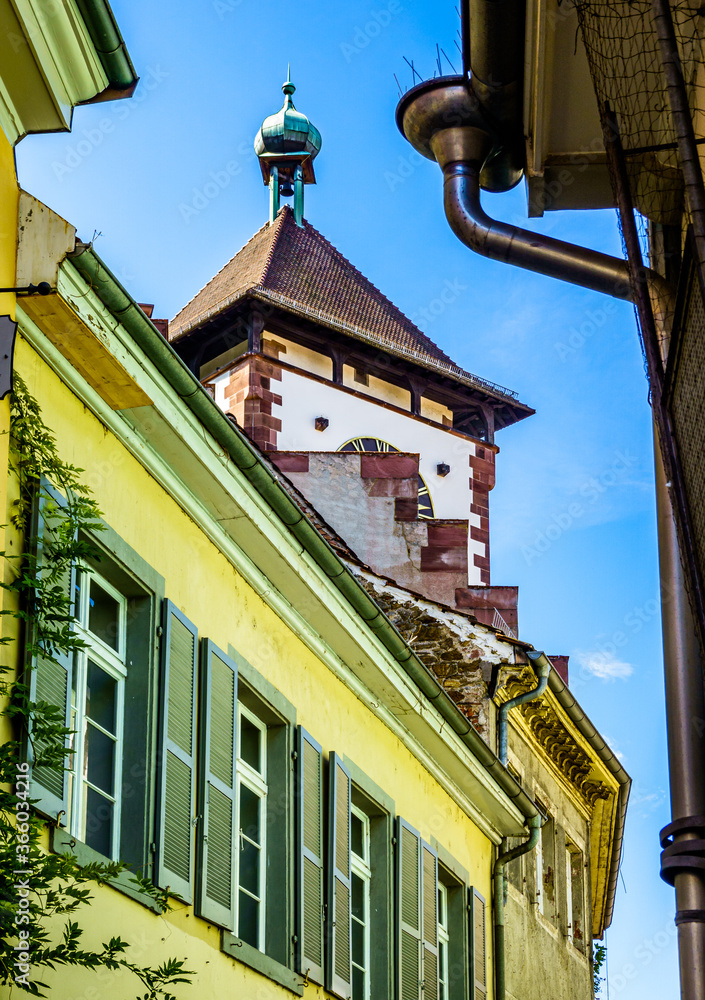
(577, 953)
(63, 843)
(261, 963)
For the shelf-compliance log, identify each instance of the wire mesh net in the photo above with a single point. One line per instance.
(626, 66)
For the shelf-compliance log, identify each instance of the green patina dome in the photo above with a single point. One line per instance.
(288, 131)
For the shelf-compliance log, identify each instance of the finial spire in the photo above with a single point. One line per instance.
(286, 145)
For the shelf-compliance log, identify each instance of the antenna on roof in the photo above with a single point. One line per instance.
(414, 71)
(455, 73)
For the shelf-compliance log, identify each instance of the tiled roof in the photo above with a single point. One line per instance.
(296, 264)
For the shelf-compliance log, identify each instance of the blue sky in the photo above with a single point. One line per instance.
(170, 182)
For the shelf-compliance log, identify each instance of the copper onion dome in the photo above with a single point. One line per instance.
(288, 131)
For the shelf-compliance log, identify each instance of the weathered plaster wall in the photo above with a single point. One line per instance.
(370, 501)
(541, 960)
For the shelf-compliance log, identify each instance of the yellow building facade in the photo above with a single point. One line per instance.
(212, 582)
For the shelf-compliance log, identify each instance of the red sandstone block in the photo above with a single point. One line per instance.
(389, 466)
(406, 509)
(453, 534)
(560, 663)
(480, 535)
(481, 509)
(436, 558)
(483, 464)
(485, 576)
(291, 461)
(393, 488)
(482, 562)
(503, 598)
(267, 368)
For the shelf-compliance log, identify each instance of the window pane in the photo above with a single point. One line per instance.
(100, 753)
(99, 822)
(358, 942)
(104, 616)
(357, 836)
(101, 692)
(358, 985)
(249, 866)
(248, 919)
(250, 737)
(250, 813)
(358, 897)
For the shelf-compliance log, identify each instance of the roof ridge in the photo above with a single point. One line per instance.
(279, 220)
(220, 271)
(381, 294)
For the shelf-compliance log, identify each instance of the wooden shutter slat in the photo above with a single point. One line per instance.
(50, 675)
(429, 935)
(408, 912)
(215, 896)
(339, 957)
(177, 784)
(478, 946)
(310, 887)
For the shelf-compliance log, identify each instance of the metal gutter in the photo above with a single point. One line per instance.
(250, 462)
(111, 49)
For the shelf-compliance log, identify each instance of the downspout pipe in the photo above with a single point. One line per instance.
(499, 879)
(444, 120)
(542, 668)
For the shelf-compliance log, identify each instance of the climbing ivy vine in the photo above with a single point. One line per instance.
(42, 894)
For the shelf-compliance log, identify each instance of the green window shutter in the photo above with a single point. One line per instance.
(309, 825)
(50, 671)
(408, 912)
(177, 781)
(429, 922)
(215, 891)
(478, 946)
(339, 956)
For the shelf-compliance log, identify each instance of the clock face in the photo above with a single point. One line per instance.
(376, 444)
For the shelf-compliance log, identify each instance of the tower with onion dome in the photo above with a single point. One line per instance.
(287, 144)
(389, 439)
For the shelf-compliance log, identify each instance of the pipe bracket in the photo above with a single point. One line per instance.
(679, 856)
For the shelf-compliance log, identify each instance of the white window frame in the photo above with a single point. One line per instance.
(360, 866)
(569, 894)
(443, 939)
(112, 662)
(255, 781)
(539, 873)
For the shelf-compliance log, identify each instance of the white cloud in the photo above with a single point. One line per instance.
(613, 747)
(605, 666)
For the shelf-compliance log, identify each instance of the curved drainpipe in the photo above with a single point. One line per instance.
(542, 668)
(445, 120)
(499, 889)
